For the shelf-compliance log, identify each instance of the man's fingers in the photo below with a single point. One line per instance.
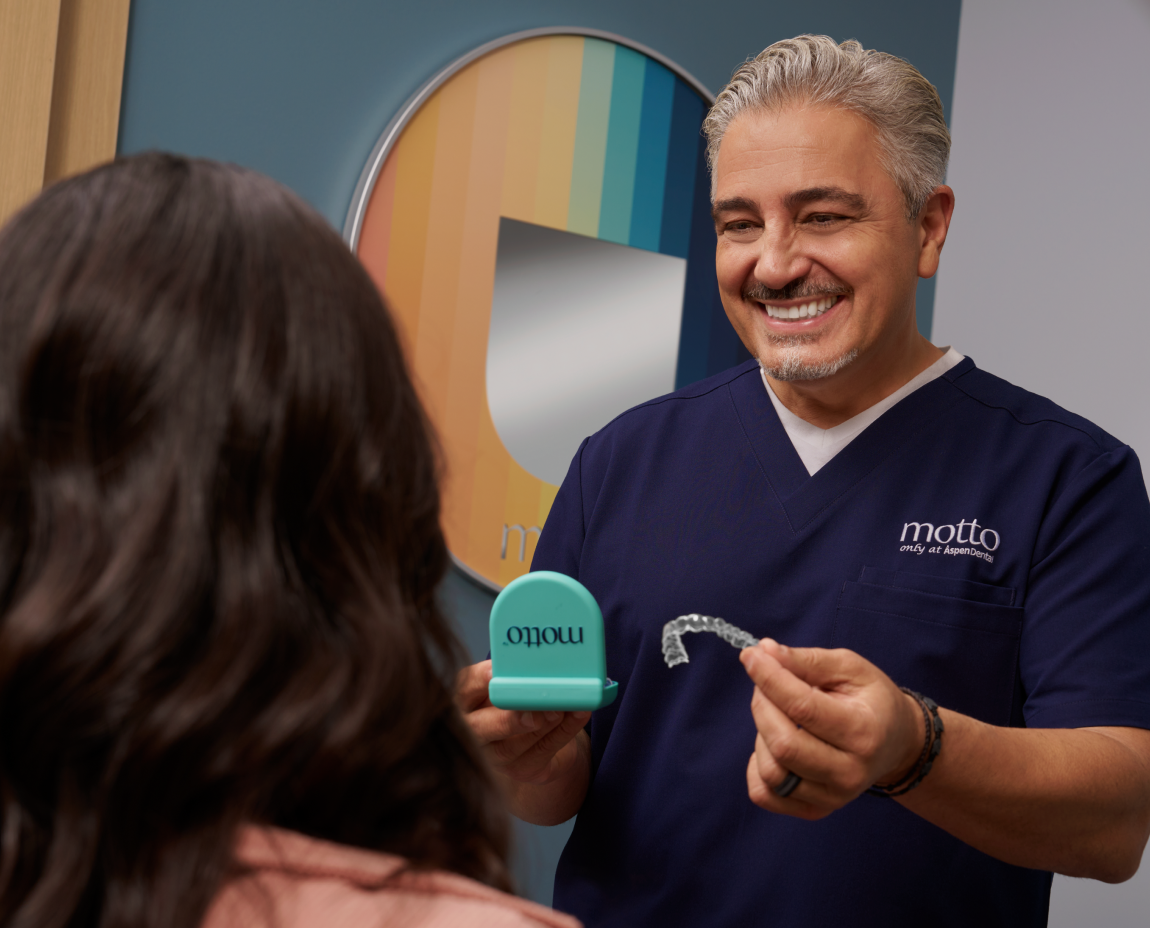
(763, 774)
(522, 744)
(551, 740)
(491, 724)
(806, 705)
(471, 686)
(795, 749)
(819, 666)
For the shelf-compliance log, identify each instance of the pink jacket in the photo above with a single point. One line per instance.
(301, 882)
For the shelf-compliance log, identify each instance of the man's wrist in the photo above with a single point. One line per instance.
(912, 748)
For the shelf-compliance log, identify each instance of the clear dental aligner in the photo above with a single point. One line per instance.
(673, 650)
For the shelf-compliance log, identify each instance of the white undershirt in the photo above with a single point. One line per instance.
(817, 446)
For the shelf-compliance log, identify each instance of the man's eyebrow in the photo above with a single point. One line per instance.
(854, 201)
(733, 204)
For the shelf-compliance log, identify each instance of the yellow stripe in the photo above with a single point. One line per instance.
(522, 509)
(489, 502)
(547, 494)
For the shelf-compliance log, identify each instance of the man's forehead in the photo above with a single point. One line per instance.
(798, 155)
(801, 123)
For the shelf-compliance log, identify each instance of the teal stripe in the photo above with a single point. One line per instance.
(622, 145)
(591, 137)
(651, 160)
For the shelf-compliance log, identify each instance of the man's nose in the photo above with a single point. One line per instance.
(780, 259)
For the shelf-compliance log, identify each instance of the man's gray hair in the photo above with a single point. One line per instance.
(889, 92)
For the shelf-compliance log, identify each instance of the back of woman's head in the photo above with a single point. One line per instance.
(219, 548)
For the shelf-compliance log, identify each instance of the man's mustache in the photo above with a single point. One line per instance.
(796, 290)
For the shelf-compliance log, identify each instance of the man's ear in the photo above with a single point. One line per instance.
(933, 223)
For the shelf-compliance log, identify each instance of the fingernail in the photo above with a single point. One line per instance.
(582, 716)
(552, 716)
(528, 719)
(769, 641)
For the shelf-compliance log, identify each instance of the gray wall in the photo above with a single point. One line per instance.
(1041, 278)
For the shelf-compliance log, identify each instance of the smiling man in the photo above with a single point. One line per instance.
(817, 259)
(889, 520)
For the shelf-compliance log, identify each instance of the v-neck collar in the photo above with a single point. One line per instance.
(803, 496)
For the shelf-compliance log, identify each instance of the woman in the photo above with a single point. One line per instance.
(224, 677)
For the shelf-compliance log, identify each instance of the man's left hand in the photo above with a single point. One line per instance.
(830, 717)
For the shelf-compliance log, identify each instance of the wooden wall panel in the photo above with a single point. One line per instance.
(61, 74)
(90, 49)
(28, 31)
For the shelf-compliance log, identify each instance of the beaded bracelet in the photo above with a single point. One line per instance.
(932, 745)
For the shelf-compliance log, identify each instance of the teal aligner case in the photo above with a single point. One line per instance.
(547, 649)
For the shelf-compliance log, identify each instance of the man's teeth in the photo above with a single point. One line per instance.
(806, 311)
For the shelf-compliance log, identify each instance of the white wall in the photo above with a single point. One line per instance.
(1045, 278)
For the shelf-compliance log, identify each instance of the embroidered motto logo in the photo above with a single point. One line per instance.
(948, 539)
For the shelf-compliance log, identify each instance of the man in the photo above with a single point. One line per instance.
(893, 514)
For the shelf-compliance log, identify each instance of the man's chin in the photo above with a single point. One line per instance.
(793, 363)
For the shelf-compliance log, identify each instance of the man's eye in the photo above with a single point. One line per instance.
(740, 226)
(823, 219)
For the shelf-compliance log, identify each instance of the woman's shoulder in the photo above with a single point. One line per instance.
(294, 881)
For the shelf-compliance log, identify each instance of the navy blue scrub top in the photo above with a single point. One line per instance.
(978, 543)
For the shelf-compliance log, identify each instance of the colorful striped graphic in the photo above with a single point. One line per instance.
(564, 131)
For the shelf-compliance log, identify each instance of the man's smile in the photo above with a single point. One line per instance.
(808, 309)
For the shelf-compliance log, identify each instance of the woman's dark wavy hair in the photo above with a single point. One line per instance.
(219, 551)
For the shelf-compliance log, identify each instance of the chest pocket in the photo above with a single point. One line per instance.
(954, 640)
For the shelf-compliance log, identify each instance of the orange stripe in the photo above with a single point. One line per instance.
(444, 238)
(375, 234)
(560, 115)
(405, 254)
(525, 131)
(467, 396)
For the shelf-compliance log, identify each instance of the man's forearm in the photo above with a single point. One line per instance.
(1076, 801)
(558, 799)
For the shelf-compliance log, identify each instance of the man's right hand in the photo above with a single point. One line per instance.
(544, 758)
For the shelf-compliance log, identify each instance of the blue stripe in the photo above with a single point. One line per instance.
(686, 119)
(651, 161)
(707, 342)
(622, 145)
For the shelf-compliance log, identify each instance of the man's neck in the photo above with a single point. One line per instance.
(831, 401)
